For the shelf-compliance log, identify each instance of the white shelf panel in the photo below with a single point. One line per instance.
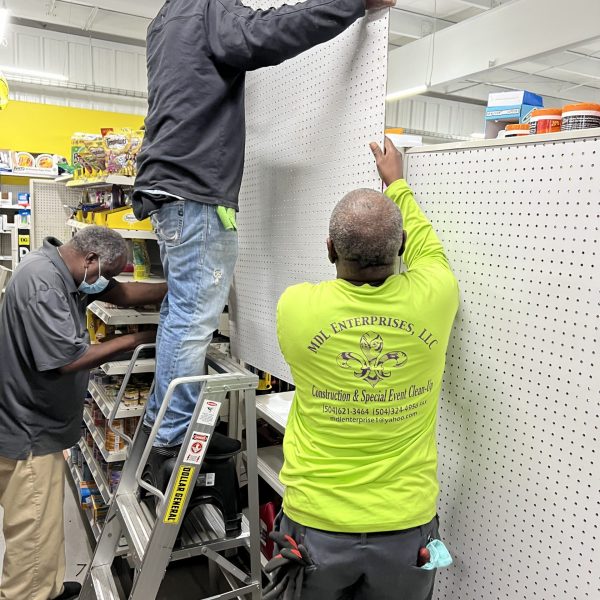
(275, 409)
(130, 234)
(13, 207)
(5, 258)
(96, 471)
(99, 439)
(128, 278)
(105, 403)
(26, 175)
(270, 463)
(110, 180)
(123, 316)
(119, 367)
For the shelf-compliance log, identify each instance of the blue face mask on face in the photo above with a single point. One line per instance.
(93, 288)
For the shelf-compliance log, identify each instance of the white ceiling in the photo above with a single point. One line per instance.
(562, 76)
(570, 75)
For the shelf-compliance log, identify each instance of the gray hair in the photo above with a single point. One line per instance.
(106, 243)
(366, 228)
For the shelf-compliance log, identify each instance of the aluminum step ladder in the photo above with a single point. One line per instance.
(151, 539)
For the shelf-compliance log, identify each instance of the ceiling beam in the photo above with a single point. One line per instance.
(485, 4)
(96, 35)
(480, 44)
(415, 25)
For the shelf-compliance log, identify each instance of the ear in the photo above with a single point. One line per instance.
(90, 258)
(331, 253)
(403, 246)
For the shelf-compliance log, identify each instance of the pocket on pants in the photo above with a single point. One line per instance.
(168, 222)
(421, 581)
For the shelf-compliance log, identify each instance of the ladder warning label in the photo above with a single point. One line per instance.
(180, 491)
(209, 413)
(197, 448)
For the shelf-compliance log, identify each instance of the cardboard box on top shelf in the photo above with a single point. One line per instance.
(509, 107)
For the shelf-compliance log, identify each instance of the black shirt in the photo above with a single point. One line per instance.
(42, 328)
(198, 55)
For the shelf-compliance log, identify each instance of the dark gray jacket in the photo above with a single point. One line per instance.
(198, 55)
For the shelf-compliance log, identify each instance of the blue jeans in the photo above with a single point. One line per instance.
(198, 255)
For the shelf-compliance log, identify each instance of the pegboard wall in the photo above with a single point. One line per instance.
(48, 215)
(309, 122)
(519, 423)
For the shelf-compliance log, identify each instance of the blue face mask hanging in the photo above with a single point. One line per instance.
(93, 288)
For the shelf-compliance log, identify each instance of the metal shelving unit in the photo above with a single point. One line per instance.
(275, 408)
(96, 471)
(77, 478)
(106, 404)
(270, 462)
(99, 439)
(123, 316)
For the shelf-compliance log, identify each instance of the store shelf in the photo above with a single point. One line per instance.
(27, 175)
(275, 409)
(128, 278)
(5, 258)
(123, 316)
(270, 463)
(99, 439)
(96, 471)
(119, 367)
(130, 234)
(106, 404)
(110, 180)
(77, 478)
(13, 207)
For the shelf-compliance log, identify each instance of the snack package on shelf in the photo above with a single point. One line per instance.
(97, 508)
(116, 146)
(132, 396)
(113, 475)
(141, 261)
(88, 157)
(131, 424)
(87, 489)
(113, 442)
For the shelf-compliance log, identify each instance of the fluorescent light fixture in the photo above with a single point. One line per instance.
(8, 71)
(407, 93)
(478, 136)
(4, 19)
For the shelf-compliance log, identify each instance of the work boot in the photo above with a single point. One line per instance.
(71, 590)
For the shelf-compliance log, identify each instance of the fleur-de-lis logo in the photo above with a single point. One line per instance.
(373, 366)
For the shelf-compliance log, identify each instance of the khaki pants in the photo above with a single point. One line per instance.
(32, 495)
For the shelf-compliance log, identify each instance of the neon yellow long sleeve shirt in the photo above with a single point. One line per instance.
(360, 450)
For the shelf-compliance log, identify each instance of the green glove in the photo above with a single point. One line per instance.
(227, 216)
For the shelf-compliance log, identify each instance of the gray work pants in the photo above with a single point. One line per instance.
(365, 566)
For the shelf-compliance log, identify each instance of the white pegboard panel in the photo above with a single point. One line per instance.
(520, 409)
(309, 122)
(48, 215)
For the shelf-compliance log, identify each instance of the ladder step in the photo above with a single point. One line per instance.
(136, 524)
(104, 583)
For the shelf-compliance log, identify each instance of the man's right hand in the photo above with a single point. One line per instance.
(389, 161)
(377, 4)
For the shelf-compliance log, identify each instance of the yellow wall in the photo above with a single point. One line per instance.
(48, 128)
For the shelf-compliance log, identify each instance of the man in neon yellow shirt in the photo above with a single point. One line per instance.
(367, 353)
